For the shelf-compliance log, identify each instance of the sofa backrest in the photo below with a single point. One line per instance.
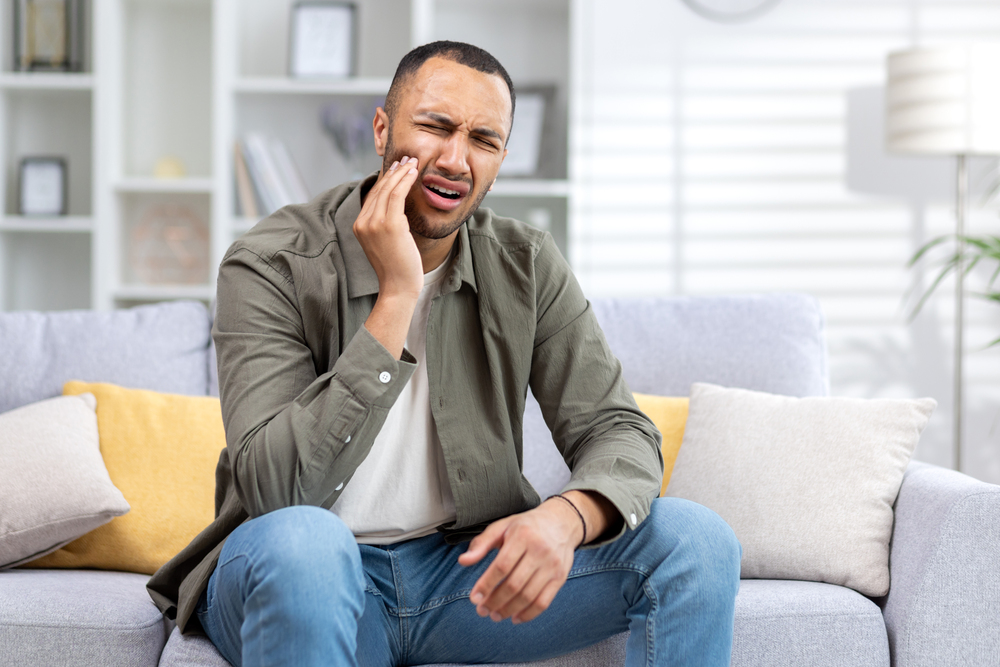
(163, 347)
(771, 342)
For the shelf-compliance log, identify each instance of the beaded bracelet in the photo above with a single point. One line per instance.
(578, 513)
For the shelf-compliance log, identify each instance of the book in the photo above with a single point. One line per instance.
(290, 175)
(264, 173)
(244, 186)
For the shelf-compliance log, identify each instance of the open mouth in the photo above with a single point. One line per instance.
(442, 193)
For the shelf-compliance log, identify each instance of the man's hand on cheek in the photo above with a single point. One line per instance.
(535, 557)
(384, 232)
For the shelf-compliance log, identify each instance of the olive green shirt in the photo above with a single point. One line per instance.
(305, 387)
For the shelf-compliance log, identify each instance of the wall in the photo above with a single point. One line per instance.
(746, 158)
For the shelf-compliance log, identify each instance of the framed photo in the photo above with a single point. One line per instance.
(322, 40)
(43, 186)
(48, 35)
(530, 147)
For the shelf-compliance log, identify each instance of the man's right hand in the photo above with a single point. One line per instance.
(384, 233)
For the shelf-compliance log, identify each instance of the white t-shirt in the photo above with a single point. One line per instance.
(401, 490)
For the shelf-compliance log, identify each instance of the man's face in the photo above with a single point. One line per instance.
(455, 121)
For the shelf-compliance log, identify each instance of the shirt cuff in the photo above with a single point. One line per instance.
(631, 509)
(371, 373)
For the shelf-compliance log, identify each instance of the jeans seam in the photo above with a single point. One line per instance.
(608, 567)
(404, 625)
(650, 619)
(435, 603)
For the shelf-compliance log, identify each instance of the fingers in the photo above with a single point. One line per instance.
(539, 564)
(397, 194)
(482, 544)
(395, 180)
(534, 559)
(540, 603)
(487, 594)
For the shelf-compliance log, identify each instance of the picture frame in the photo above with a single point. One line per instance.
(323, 39)
(43, 186)
(48, 35)
(535, 146)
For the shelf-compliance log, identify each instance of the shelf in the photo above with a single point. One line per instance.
(164, 292)
(513, 187)
(74, 224)
(286, 85)
(190, 185)
(46, 81)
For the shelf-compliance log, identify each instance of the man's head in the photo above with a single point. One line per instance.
(450, 105)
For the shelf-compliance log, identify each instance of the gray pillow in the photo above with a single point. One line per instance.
(807, 484)
(55, 485)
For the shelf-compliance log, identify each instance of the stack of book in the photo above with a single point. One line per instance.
(266, 176)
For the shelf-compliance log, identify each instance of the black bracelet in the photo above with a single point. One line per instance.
(578, 513)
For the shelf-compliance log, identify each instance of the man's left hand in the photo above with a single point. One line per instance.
(535, 557)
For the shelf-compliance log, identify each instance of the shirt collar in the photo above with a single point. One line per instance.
(361, 277)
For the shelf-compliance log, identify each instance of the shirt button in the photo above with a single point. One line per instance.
(384, 377)
(339, 486)
(347, 439)
(633, 519)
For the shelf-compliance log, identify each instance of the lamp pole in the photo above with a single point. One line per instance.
(961, 192)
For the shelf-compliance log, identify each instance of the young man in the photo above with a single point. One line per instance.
(375, 348)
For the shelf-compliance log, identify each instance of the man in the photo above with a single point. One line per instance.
(375, 348)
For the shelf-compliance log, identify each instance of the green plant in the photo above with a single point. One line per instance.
(977, 250)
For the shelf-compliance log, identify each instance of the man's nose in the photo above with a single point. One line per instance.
(452, 158)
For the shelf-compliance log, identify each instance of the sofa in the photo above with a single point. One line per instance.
(943, 607)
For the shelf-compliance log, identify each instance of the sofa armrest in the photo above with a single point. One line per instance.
(943, 606)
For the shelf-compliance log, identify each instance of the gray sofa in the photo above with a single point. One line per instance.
(943, 607)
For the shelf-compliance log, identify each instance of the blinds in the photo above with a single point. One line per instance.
(716, 159)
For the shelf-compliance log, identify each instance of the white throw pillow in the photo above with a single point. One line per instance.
(807, 484)
(54, 484)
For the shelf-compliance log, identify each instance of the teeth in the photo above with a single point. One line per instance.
(445, 191)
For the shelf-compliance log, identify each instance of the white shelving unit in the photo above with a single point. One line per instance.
(184, 79)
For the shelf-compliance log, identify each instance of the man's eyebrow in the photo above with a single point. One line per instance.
(448, 122)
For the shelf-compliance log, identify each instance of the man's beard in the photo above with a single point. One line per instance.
(418, 222)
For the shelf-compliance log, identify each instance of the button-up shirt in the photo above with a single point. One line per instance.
(305, 387)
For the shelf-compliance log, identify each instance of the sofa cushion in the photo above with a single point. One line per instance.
(55, 484)
(163, 347)
(794, 623)
(807, 484)
(78, 618)
(191, 651)
(669, 413)
(161, 450)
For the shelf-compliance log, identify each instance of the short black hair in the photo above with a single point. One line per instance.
(459, 52)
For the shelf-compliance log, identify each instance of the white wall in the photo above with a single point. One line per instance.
(746, 158)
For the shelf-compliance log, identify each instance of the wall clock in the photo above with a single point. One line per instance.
(730, 11)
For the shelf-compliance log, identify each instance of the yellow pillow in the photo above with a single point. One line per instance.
(161, 451)
(670, 416)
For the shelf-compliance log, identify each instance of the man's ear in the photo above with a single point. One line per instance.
(380, 130)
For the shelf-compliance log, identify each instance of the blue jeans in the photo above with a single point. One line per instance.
(293, 587)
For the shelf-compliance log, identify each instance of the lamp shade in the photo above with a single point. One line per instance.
(944, 100)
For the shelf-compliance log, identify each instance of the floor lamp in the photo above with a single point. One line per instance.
(946, 101)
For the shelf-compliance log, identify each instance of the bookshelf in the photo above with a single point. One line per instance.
(171, 85)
